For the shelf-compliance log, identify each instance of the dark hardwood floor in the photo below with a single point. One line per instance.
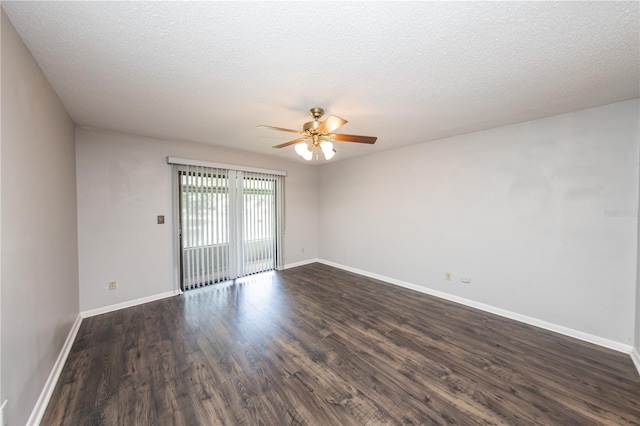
(316, 345)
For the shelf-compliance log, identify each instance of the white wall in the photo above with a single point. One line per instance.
(523, 210)
(124, 182)
(39, 239)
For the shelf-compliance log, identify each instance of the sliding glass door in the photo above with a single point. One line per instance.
(258, 252)
(229, 224)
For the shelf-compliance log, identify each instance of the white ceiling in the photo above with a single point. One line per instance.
(406, 72)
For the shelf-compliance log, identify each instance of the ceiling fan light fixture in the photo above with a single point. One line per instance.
(301, 148)
(304, 150)
(328, 155)
(326, 147)
(327, 150)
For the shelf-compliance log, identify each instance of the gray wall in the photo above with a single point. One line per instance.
(637, 342)
(533, 213)
(124, 182)
(39, 261)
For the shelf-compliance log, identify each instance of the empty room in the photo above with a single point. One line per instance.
(319, 213)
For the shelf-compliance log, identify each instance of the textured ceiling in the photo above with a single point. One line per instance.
(406, 72)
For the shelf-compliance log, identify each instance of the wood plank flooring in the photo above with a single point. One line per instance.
(316, 345)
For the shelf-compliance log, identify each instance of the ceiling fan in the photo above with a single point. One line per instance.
(321, 135)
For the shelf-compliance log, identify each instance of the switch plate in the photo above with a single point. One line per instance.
(160, 219)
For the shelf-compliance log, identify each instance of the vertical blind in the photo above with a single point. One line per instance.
(230, 223)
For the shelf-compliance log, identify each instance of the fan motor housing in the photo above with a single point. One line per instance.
(311, 126)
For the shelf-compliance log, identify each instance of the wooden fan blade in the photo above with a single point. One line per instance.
(354, 138)
(282, 129)
(282, 145)
(331, 123)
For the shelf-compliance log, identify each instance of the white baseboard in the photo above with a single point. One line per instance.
(52, 380)
(302, 263)
(635, 357)
(128, 304)
(600, 341)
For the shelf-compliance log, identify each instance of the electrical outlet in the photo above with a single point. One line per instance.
(112, 285)
(302, 250)
(447, 276)
(465, 280)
